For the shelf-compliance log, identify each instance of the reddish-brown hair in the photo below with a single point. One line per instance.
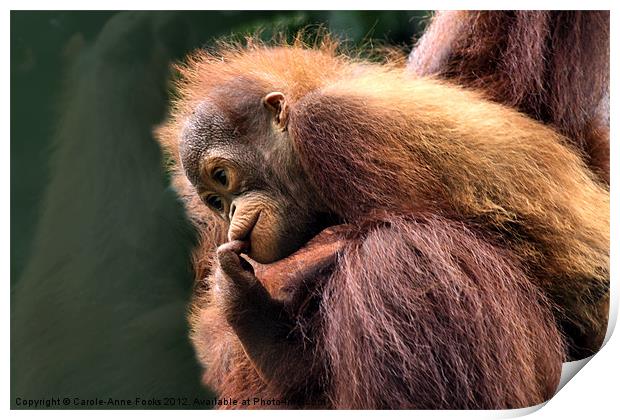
(552, 65)
(466, 227)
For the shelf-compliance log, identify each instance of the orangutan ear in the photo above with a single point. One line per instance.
(276, 103)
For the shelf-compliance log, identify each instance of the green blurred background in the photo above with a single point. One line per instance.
(100, 248)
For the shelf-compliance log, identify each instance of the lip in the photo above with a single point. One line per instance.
(243, 233)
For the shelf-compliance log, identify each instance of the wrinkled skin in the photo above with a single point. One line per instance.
(253, 181)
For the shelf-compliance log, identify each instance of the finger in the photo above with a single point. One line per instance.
(236, 247)
(246, 265)
(232, 264)
(229, 262)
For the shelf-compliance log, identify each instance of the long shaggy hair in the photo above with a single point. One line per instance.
(551, 65)
(426, 314)
(466, 227)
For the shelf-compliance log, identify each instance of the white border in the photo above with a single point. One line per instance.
(593, 394)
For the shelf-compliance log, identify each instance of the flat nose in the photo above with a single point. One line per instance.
(231, 212)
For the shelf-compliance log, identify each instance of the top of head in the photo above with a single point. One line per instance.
(241, 98)
(369, 137)
(242, 95)
(237, 78)
(234, 148)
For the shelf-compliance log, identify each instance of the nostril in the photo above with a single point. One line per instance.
(231, 213)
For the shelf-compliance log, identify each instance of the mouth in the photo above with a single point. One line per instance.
(270, 246)
(243, 230)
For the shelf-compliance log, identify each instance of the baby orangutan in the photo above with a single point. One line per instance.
(408, 244)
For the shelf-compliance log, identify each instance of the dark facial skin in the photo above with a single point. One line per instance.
(252, 179)
(247, 173)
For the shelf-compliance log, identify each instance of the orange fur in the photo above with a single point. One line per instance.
(373, 139)
(552, 65)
